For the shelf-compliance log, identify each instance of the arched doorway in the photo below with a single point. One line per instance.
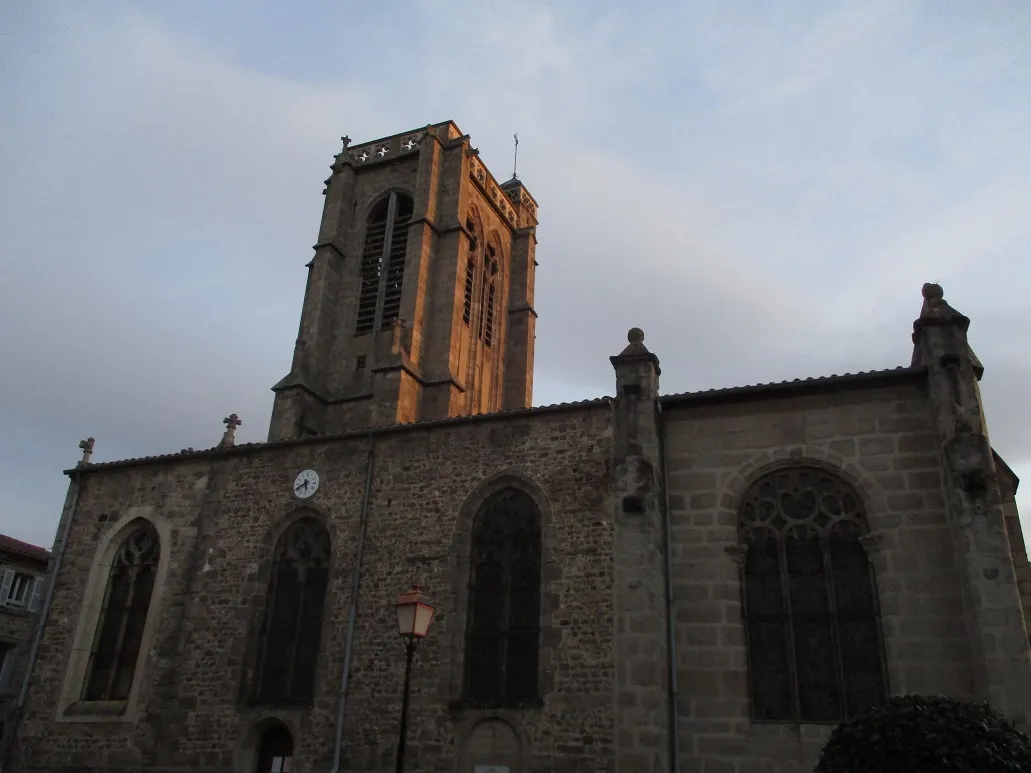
(276, 751)
(493, 745)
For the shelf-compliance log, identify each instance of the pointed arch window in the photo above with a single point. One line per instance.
(470, 272)
(487, 296)
(123, 616)
(503, 627)
(814, 641)
(292, 626)
(383, 263)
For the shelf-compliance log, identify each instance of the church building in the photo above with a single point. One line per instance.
(705, 582)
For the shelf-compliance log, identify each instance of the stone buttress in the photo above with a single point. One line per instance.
(975, 506)
(640, 596)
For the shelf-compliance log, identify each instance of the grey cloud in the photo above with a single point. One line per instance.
(161, 202)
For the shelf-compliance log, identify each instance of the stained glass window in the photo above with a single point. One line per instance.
(814, 644)
(292, 626)
(503, 629)
(123, 616)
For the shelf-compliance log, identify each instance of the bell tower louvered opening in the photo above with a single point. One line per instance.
(383, 263)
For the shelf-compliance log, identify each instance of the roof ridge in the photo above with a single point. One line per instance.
(858, 376)
(381, 429)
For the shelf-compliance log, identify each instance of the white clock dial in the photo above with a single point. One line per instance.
(306, 483)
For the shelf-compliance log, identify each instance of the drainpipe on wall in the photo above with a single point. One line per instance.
(352, 611)
(58, 558)
(671, 632)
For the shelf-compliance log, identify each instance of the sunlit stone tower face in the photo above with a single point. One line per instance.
(419, 301)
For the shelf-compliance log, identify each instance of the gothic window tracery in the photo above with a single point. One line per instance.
(383, 262)
(814, 643)
(292, 625)
(119, 636)
(503, 627)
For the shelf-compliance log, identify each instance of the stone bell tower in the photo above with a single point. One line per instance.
(419, 302)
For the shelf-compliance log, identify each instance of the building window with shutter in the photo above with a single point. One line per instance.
(123, 617)
(503, 626)
(292, 626)
(382, 266)
(810, 607)
(16, 588)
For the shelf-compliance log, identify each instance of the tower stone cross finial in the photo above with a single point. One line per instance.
(87, 450)
(232, 421)
(515, 156)
(346, 140)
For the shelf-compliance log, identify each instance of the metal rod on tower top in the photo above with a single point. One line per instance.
(515, 155)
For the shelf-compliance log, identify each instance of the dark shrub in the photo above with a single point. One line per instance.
(926, 734)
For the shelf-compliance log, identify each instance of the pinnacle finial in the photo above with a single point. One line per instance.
(635, 335)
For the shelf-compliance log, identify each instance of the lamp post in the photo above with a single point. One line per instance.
(414, 616)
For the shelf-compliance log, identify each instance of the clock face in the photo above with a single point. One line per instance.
(306, 483)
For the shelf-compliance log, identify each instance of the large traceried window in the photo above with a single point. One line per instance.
(119, 636)
(503, 627)
(383, 262)
(292, 626)
(814, 641)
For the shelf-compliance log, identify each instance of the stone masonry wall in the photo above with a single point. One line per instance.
(220, 515)
(882, 441)
(17, 628)
(1018, 549)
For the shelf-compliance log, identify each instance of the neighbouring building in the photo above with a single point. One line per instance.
(23, 573)
(704, 582)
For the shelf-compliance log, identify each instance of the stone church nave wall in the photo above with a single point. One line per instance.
(881, 440)
(220, 514)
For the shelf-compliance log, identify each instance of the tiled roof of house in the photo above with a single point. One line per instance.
(16, 546)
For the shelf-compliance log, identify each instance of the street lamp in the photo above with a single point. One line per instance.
(414, 616)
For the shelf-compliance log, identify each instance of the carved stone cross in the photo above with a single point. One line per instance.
(232, 421)
(87, 450)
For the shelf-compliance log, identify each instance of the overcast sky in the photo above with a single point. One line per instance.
(762, 191)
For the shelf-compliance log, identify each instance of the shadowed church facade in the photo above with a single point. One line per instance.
(697, 582)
